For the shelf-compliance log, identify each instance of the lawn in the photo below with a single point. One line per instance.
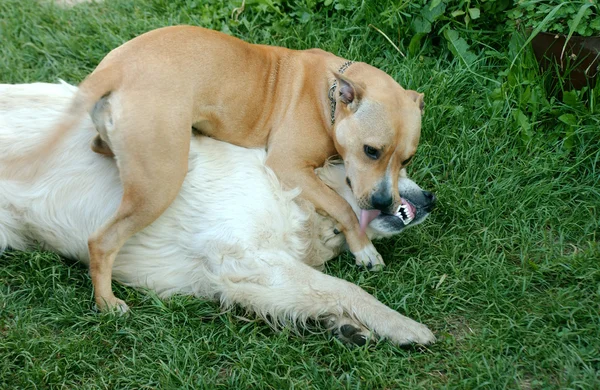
(506, 272)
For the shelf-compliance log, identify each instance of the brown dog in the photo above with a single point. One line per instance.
(153, 90)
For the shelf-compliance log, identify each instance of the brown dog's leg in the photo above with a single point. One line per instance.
(152, 170)
(327, 200)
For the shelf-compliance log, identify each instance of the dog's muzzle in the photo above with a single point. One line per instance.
(407, 212)
(382, 200)
(430, 201)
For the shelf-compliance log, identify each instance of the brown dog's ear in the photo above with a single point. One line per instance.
(417, 98)
(350, 93)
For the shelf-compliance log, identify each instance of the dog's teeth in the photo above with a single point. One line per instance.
(404, 211)
(404, 214)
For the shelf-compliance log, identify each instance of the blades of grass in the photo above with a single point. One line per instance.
(389, 40)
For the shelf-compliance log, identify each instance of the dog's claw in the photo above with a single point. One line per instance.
(118, 307)
(418, 334)
(121, 307)
(376, 268)
(369, 258)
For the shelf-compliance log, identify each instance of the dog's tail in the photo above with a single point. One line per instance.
(26, 167)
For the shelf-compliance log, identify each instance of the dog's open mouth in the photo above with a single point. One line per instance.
(406, 212)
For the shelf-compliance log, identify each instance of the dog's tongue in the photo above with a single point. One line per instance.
(366, 216)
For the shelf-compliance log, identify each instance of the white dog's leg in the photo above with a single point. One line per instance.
(290, 290)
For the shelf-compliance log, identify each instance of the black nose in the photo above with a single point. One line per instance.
(381, 201)
(430, 200)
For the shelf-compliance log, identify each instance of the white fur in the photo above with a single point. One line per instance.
(232, 233)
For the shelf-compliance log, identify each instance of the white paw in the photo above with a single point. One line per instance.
(331, 236)
(369, 257)
(413, 332)
(113, 305)
(121, 307)
(350, 332)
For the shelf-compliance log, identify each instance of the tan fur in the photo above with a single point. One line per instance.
(162, 83)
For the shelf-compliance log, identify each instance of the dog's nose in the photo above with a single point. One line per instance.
(430, 200)
(381, 201)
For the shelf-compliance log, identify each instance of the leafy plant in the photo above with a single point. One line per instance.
(559, 16)
(470, 14)
(457, 21)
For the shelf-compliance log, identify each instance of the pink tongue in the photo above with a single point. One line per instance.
(366, 216)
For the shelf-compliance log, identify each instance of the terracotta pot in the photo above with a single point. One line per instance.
(578, 60)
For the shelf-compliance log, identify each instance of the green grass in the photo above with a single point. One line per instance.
(506, 271)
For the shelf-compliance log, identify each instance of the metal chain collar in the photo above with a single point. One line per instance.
(343, 68)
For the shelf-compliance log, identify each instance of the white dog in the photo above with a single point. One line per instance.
(232, 234)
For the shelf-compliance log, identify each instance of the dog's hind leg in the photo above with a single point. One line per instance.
(152, 156)
(286, 289)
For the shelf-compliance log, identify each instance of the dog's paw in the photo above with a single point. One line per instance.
(369, 258)
(332, 237)
(329, 232)
(350, 332)
(413, 333)
(112, 305)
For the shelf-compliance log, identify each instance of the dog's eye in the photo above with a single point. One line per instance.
(371, 152)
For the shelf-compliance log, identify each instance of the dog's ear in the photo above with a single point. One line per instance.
(417, 98)
(350, 93)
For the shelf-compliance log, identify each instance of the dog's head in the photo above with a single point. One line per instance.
(376, 131)
(417, 203)
(328, 242)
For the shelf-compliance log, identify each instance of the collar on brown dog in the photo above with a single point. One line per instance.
(343, 68)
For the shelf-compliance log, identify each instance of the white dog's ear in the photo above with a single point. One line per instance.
(349, 92)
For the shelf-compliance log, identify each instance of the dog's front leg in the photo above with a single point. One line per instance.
(281, 288)
(326, 200)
